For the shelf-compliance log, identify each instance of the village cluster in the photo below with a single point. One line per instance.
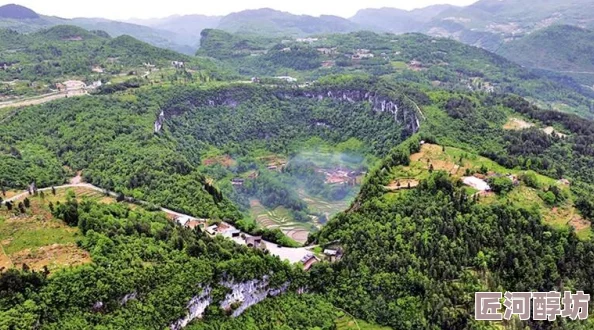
(294, 255)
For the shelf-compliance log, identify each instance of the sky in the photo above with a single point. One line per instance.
(126, 9)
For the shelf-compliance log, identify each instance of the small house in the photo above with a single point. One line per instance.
(212, 230)
(233, 233)
(287, 79)
(253, 241)
(308, 261)
(192, 224)
(182, 220)
(476, 183)
(177, 64)
(237, 182)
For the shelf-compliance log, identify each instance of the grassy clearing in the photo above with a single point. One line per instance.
(517, 124)
(38, 239)
(399, 65)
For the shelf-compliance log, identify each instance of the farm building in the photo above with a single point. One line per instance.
(253, 241)
(212, 230)
(476, 183)
(308, 261)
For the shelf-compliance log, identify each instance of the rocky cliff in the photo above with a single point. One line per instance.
(403, 109)
(242, 296)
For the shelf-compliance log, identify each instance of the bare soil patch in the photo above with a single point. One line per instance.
(225, 161)
(579, 223)
(517, 124)
(402, 184)
(52, 256)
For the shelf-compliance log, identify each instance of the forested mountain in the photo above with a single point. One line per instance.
(271, 22)
(542, 50)
(413, 170)
(486, 23)
(456, 243)
(397, 20)
(187, 28)
(29, 21)
(64, 52)
(13, 11)
(410, 57)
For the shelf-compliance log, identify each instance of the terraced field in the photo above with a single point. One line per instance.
(321, 206)
(280, 218)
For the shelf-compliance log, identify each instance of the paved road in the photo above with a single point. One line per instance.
(293, 255)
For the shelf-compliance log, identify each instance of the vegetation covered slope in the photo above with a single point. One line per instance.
(271, 22)
(25, 20)
(64, 50)
(560, 48)
(145, 271)
(420, 254)
(17, 12)
(422, 59)
(112, 138)
(413, 257)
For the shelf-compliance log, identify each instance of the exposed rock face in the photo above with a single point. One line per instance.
(128, 297)
(196, 308)
(405, 111)
(159, 122)
(249, 293)
(246, 294)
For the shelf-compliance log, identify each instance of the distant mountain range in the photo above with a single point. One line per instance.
(22, 19)
(491, 24)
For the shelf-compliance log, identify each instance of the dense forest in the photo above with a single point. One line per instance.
(145, 271)
(413, 249)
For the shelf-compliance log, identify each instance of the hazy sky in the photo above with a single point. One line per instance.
(124, 9)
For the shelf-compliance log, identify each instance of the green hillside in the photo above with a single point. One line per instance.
(36, 62)
(428, 247)
(271, 22)
(543, 50)
(425, 60)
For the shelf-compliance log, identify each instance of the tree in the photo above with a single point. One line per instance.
(53, 191)
(549, 198)
(42, 195)
(3, 191)
(51, 207)
(501, 185)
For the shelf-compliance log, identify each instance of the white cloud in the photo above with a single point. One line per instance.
(123, 9)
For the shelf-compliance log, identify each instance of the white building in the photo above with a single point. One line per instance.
(287, 79)
(476, 183)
